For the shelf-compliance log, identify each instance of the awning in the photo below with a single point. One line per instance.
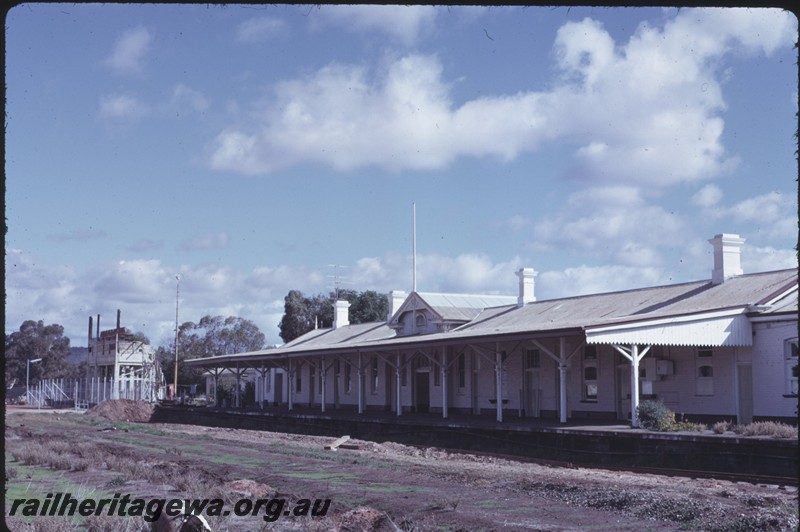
(716, 329)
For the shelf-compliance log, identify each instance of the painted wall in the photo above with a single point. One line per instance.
(769, 369)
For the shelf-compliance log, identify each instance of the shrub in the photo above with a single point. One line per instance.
(720, 427)
(766, 428)
(688, 426)
(653, 415)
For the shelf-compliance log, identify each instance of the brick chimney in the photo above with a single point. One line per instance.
(341, 314)
(727, 257)
(396, 298)
(526, 286)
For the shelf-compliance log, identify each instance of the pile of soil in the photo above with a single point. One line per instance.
(124, 410)
(249, 489)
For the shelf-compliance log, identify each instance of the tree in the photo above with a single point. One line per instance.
(36, 340)
(302, 314)
(211, 336)
(294, 322)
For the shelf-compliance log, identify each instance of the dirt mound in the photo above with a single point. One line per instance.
(123, 410)
(249, 488)
(362, 518)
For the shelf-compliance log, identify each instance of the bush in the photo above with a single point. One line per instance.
(653, 415)
(721, 427)
(767, 428)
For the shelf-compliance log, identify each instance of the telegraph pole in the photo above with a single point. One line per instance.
(177, 300)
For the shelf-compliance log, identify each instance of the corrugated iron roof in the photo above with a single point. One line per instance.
(463, 307)
(498, 317)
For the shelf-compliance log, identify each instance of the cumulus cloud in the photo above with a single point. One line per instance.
(760, 259)
(122, 107)
(584, 280)
(708, 196)
(187, 100)
(614, 223)
(773, 215)
(646, 111)
(129, 51)
(259, 29)
(403, 23)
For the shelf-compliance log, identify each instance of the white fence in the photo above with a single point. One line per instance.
(83, 393)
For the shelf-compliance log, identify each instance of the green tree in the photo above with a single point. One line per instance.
(36, 340)
(211, 336)
(302, 314)
(294, 322)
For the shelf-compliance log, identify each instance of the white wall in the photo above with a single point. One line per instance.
(769, 375)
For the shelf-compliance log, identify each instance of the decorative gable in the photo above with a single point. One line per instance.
(415, 316)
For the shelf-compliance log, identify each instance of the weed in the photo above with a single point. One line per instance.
(767, 428)
(721, 427)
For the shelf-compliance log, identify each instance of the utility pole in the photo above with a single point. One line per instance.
(177, 301)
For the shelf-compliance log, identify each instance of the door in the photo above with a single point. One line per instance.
(532, 393)
(624, 392)
(278, 388)
(422, 392)
(744, 381)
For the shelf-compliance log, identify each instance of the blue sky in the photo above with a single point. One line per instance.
(248, 148)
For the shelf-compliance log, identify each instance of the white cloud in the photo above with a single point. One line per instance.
(404, 23)
(614, 223)
(259, 29)
(584, 280)
(708, 196)
(764, 259)
(772, 215)
(122, 107)
(647, 111)
(187, 100)
(129, 51)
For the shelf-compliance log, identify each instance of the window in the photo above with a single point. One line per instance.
(420, 321)
(704, 376)
(298, 381)
(532, 359)
(790, 355)
(437, 372)
(402, 369)
(268, 383)
(348, 374)
(312, 371)
(589, 373)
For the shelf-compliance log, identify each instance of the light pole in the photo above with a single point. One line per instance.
(28, 379)
(177, 300)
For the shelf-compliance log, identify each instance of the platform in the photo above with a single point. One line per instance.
(579, 443)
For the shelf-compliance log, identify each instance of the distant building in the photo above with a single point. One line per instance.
(118, 357)
(718, 349)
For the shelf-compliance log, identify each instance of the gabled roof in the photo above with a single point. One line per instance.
(675, 314)
(452, 307)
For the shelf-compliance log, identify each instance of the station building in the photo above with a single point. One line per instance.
(725, 348)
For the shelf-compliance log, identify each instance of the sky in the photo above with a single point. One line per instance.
(254, 150)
